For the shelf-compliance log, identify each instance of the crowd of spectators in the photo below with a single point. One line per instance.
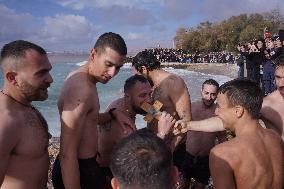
(182, 56)
(257, 54)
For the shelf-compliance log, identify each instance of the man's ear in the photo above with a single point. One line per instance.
(114, 183)
(239, 110)
(144, 70)
(11, 77)
(93, 53)
(126, 94)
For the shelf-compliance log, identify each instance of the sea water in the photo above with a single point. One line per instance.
(62, 65)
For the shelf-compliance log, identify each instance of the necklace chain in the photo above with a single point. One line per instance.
(26, 105)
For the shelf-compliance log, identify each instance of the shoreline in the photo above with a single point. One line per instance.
(225, 69)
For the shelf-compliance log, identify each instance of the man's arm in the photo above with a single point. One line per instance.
(221, 171)
(181, 100)
(213, 124)
(73, 118)
(8, 141)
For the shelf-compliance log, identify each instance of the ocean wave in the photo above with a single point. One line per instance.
(81, 63)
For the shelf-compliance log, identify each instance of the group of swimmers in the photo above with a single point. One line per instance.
(105, 150)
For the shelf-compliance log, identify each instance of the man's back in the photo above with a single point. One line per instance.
(172, 92)
(255, 158)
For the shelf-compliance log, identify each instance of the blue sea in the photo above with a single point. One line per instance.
(63, 64)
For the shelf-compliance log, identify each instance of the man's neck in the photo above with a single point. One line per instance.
(15, 95)
(155, 76)
(246, 125)
(87, 69)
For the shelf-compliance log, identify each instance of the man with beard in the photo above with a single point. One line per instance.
(78, 106)
(24, 134)
(171, 91)
(199, 144)
(137, 90)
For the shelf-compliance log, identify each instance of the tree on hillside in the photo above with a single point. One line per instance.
(227, 34)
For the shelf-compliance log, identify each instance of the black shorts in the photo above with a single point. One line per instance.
(179, 155)
(91, 176)
(196, 167)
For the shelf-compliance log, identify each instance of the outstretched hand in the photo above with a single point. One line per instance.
(165, 124)
(180, 127)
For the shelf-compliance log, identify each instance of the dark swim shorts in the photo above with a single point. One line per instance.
(91, 176)
(196, 167)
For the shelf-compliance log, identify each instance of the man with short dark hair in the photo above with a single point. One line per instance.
(238, 106)
(78, 106)
(171, 91)
(24, 134)
(143, 161)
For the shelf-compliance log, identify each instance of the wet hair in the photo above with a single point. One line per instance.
(279, 62)
(142, 161)
(131, 81)
(113, 41)
(16, 50)
(245, 93)
(211, 82)
(147, 59)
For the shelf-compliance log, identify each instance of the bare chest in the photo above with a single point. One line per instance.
(34, 135)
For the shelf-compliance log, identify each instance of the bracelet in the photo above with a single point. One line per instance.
(111, 113)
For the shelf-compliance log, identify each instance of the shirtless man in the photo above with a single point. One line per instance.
(170, 90)
(24, 134)
(137, 90)
(199, 144)
(271, 112)
(78, 105)
(273, 104)
(238, 106)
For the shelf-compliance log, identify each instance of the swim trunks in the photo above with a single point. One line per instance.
(196, 167)
(91, 176)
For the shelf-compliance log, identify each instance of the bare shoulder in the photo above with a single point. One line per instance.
(176, 81)
(271, 99)
(77, 89)
(118, 103)
(272, 136)
(227, 151)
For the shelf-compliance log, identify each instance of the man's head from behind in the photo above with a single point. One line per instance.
(237, 98)
(145, 61)
(279, 74)
(107, 56)
(142, 161)
(26, 69)
(209, 92)
(137, 90)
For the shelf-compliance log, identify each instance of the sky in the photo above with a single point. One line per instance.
(75, 25)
